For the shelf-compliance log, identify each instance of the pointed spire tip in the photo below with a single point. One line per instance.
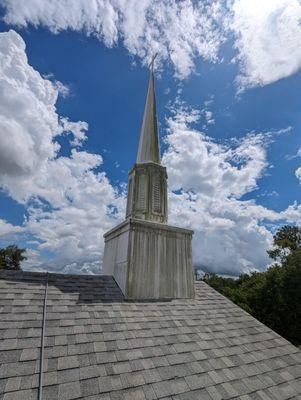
(149, 150)
(151, 64)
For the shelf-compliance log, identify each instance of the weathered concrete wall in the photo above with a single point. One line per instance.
(150, 260)
(115, 259)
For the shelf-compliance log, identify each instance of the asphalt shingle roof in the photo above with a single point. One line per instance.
(100, 347)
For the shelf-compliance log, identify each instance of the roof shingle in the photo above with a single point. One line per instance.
(99, 346)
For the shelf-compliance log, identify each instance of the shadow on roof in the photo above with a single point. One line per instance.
(89, 288)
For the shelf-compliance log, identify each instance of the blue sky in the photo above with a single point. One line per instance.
(229, 117)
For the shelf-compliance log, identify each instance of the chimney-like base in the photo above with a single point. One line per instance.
(150, 260)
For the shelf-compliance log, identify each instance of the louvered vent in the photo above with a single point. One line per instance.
(141, 204)
(156, 197)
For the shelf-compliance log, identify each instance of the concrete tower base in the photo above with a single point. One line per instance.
(150, 260)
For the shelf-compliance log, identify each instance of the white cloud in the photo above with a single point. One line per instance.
(28, 120)
(208, 180)
(267, 34)
(209, 117)
(207, 166)
(7, 229)
(298, 173)
(298, 170)
(78, 129)
(293, 213)
(268, 37)
(178, 31)
(70, 204)
(62, 89)
(84, 209)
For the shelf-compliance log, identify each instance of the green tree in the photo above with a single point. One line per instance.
(273, 296)
(292, 297)
(219, 283)
(11, 257)
(286, 240)
(287, 303)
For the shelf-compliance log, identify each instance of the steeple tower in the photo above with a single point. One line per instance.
(147, 186)
(148, 258)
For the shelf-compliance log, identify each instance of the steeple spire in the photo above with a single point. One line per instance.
(148, 258)
(147, 188)
(149, 150)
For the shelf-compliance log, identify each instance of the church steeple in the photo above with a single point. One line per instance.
(147, 187)
(148, 258)
(149, 150)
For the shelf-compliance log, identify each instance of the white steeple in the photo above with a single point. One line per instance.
(149, 150)
(148, 258)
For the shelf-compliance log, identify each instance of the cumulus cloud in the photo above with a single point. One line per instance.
(207, 166)
(70, 201)
(7, 229)
(70, 204)
(266, 34)
(178, 31)
(268, 37)
(78, 129)
(10, 233)
(85, 205)
(293, 213)
(28, 120)
(207, 182)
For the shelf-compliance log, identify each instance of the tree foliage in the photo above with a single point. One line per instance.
(286, 240)
(273, 296)
(11, 257)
